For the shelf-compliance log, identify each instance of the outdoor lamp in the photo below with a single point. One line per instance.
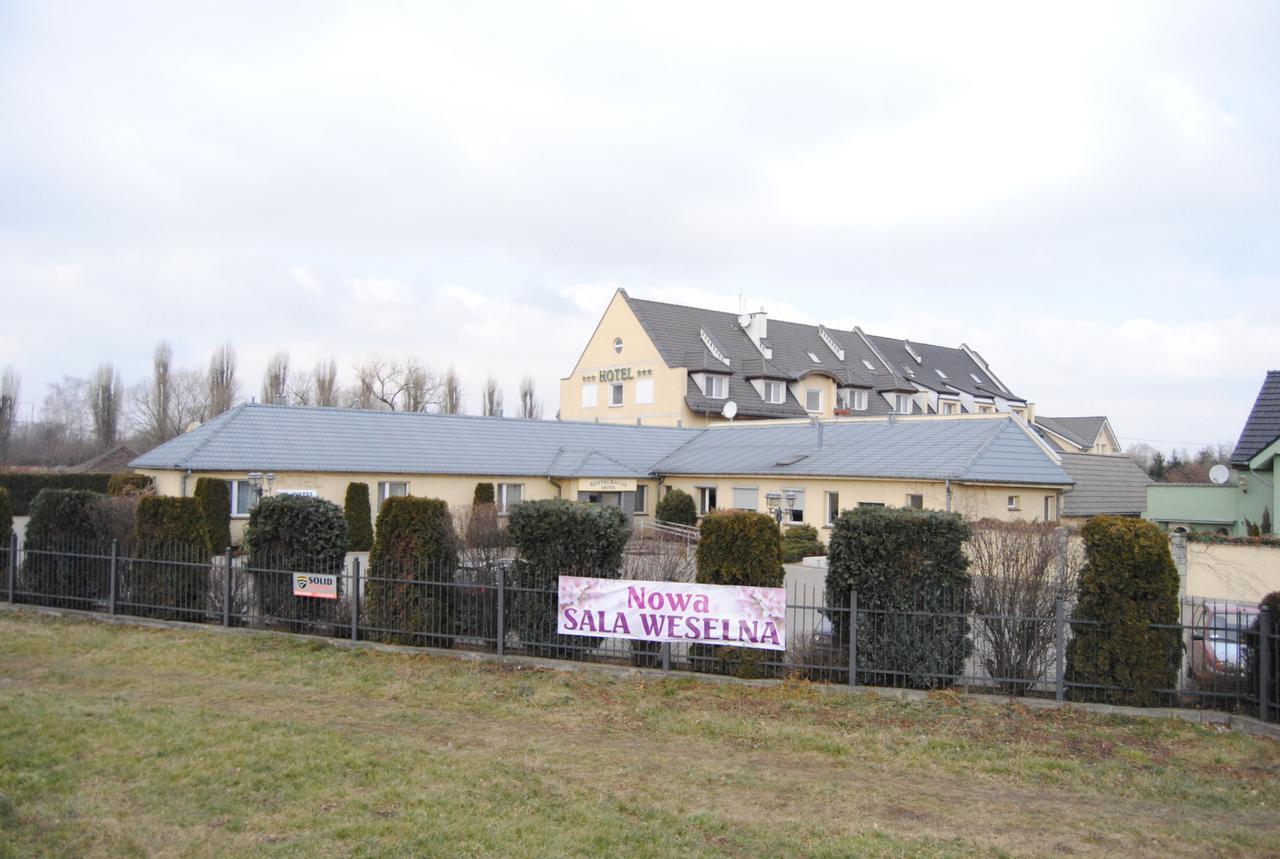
(260, 482)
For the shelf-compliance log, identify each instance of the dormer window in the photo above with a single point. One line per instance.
(774, 392)
(904, 404)
(717, 388)
(852, 399)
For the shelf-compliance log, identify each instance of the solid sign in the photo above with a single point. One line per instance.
(673, 611)
(607, 484)
(313, 585)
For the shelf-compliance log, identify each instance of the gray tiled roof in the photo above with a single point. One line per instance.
(996, 450)
(1083, 430)
(1104, 485)
(675, 331)
(257, 437)
(1263, 426)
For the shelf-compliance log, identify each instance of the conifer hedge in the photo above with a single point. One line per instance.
(677, 507)
(359, 517)
(483, 494)
(23, 486)
(1119, 653)
(555, 538)
(169, 576)
(214, 496)
(63, 521)
(912, 577)
(408, 595)
(800, 542)
(290, 534)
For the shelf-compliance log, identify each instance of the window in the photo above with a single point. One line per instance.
(868, 364)
(904, 404)
(589, 396)
(641, 499)
(644, 392)
(773, 392)
(617, 345)
(813, 400)
(814, 358)
(1014, 502)
(833, 507)
(717, 389)
(797, 507)
(950, 408)
(615, 394)
(976, 378)
(986, 409)
(870, 504)
(706, 499)
(746, 497)
(242, 498)
(509, 494)
(915, 502)
(859, 401)
(391, 489)
(941, 375)
(1049, 512)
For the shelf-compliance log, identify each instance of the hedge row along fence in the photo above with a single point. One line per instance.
(23, 487)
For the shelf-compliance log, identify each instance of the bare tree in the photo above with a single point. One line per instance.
(223, 387)
(10, 389)
(491, 398)
(275, 381)
(530, 407)
(380, 384)
(190, 401)
(67, 405)
(326, 379)
(451, 393)
(153, 402)
(422, 388)
(106, 398)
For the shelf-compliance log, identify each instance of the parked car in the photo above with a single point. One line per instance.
(1218, 639)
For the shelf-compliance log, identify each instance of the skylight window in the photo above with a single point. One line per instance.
(814, 358)
(868, 364)
(976, 378)
(941, 375)
(907, 370)
(914, 354)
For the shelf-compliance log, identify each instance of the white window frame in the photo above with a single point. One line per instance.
(832, 510)
(717, 387)
(590, 395)
(707, 499)
(770, 387)
(904, 399)
(235, 497)
(986, 409)
(502, 494)
(859, 401)
(1015, 503)
(617, 345)
(808, 392)
(790, 518)
(616, 388)
(384, 492)
(911, 506)
(640, 500)
(950, 407)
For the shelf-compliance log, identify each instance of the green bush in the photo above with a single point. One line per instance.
(214, 496)
(1129, 583)
(169, 577)
(555, 538)
(6, 520)
(800, 542)
(359, 518)
(62, 522)
(483, 494)
(409, 595)
(289, 534)
(677, 507)
(128, 483)
(738, 547)
(23, 486)
(1252, 641)
(912, 579)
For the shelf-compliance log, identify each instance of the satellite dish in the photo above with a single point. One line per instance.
(730, 410)
(1220, 474)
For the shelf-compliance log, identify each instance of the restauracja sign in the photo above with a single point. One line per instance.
(673, 611)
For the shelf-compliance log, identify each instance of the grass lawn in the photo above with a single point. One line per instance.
(119, 741)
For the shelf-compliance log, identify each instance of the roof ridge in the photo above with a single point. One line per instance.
(344, 410)
(221, 423)
(984, 447)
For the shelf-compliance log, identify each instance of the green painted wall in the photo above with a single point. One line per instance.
(1208, 508)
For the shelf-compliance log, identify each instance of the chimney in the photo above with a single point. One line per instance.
(818, 424)
(756, 325)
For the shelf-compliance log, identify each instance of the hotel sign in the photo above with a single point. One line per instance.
(618, 374)
(606, 484)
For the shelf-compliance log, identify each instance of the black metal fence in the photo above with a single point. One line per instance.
(1220, 655)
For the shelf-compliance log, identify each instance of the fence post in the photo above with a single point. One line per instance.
(1266, 624)
(1060, 637)
(13, 563)
(500, 634)
(666, 656)
(853, 638)
(226, 587)
(111, 583)
(355, 599)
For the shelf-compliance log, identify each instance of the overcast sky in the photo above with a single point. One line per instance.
(1087, 196)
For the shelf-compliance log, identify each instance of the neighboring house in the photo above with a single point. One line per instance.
(1104, 485)
(671, 365)
(1250, 495)
(108, 462)
(978, 465)
(1079, 435)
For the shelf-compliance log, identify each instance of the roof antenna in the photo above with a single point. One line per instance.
(742, 304)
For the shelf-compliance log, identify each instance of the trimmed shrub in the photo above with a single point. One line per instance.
(6, 520)
(912, 578)
(800, 542)
(169, 577)
(289, 534)
(483, 494)
(408, 596)
(677, 507)
(738, 547)
(1129, 583)
(214, 496)
(62, 521)
(128, 483)
(555, 538)
(23, 486)
(359, 518)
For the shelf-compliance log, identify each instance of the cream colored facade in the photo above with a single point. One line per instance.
(620, 352)
(1223, 571)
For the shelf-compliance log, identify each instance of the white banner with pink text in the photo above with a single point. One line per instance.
(673, 611)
